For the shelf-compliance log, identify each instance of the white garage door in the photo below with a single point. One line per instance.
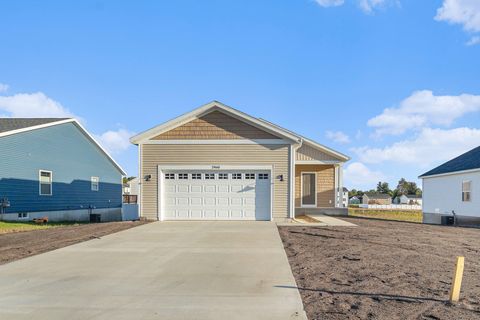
(216, 195)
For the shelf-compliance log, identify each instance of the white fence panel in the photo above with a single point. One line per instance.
(391, 206)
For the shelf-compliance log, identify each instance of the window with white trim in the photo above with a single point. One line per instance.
(249, 176)
(45, 182)
(223, 176)
(94, 183)
(236, 176)
(183, 176)
(263, 176)
(170, 176)
(196, 176)
(209, 176)
(467, 191)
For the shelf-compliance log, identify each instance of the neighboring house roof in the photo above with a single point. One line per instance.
(256, 122)
(412, 196)
(467, 161)
(9, 126)
(345, 189)
(377, 195)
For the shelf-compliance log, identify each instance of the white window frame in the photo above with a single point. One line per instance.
(40, 183)
(235, 175)
(223, 176)
(465, 191)
(169, 176)
(92, 183)
(248, 176)
(196, 176)
(301, 190)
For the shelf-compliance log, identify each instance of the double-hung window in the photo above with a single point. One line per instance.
(467, 191)
(94, 183)
(45, 182)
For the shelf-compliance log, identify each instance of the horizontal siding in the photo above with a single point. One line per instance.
(275, 155)
(307, 153)
(325, 184)
(72, 158)
(215, 125)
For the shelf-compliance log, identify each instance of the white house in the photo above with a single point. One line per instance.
(131, 187)
(453, 188)
(345, 197)
(410, 199)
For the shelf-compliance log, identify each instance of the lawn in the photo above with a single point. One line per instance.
(398, 215)
(8, 227)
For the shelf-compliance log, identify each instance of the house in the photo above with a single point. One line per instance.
(345, 197)
(453, 187)
(218, 163)
(376, 198)
(53, 167)
(131, 187)
(354, 200)
(409, 199)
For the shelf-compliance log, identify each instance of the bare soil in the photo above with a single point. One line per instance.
(18, 245)
(384, 270)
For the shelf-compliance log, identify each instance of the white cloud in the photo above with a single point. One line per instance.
(357, 175)
(473, 41)
(4, 87)
(30, 105)
(463, 12)
(115, 142)
(422, 109)
(430, 147)
(368, 6)
(338, 137)
(330, 3)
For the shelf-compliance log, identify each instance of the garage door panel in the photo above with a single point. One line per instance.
(196, 189)
(196, 201)
(223, 213)
(221, 201)
(209, 201)
(222, 188)
(182, 188)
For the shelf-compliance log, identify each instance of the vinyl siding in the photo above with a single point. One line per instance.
(307, 153)
(73, 159)
(215, 125)
(159, 154)
(325, 184)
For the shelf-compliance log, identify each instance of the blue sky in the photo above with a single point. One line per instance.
(394, 84)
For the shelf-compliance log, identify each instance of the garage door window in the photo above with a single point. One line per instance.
(196, 176)
(170, 176)
(249, 176)
(263, 176)
(236, 176)
(223, 176)
(209, 176)
(183, 176)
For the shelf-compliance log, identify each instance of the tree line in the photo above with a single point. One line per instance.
(404, 187)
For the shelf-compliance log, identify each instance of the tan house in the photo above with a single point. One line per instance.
(217, 163)
(376, 198)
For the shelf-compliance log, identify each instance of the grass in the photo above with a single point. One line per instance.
(399, 215)
(8, 227)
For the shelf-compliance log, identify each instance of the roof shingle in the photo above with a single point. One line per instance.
(10, 124)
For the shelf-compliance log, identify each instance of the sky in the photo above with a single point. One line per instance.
(394, 84)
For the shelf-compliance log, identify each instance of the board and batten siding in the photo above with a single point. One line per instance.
(325, 184)
(154, 155)
(307, 153)
(215, 125)
(73, 160)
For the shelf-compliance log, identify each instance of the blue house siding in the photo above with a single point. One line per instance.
(73, 160)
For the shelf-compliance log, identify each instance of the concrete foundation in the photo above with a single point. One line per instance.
(81, 215)
(436, 218)
(325, 211)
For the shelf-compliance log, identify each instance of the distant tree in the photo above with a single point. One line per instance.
(405, 187)
(126, 179)
(383, 187)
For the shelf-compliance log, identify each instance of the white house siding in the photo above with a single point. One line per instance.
(443, 194)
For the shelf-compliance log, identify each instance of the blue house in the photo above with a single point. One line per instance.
(53, 167)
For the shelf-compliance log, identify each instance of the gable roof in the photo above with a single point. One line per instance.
(377, 195)
(10, 126)
(256, 122)
(468, 161)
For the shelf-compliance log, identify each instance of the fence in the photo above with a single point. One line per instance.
(391, 206)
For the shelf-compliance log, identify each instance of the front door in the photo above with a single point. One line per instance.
(309, 189)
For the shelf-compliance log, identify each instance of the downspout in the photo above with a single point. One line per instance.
(293, 157)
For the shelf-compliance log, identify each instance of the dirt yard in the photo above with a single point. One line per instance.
(383, 270)
(18, 245)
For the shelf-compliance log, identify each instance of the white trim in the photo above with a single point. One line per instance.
(203, 110)
(140, 181)
(336, 181)
(449, 173)
(317, 162)
(225, 141)
(40, 126)
(301, 190)
(40, 183)
(160, 180)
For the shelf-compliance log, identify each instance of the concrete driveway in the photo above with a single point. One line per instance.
(163, 270)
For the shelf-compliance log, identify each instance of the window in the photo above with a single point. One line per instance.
(45, 181)
(170, 176)
(94, 183)
(263, 176)
(249, 175)
(22, 215)
(236, 176)
(196, 176)
(466, 191)
(183, 176)
(209, 176)
(223, 176)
